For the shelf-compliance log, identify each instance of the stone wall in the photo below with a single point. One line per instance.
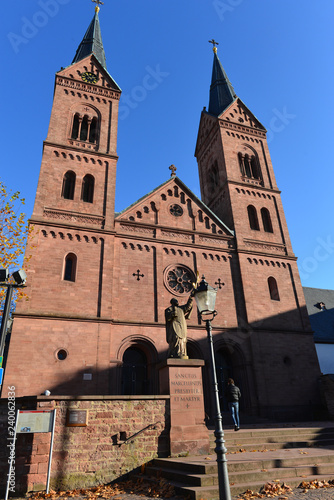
(327, 392)
(122, 434)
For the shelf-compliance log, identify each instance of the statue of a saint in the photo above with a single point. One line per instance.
(176, 328)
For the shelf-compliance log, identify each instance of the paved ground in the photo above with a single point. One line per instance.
(297, 494)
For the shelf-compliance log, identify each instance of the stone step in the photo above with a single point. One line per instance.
(212, 492)
(277, 446)
(247, 477)
(271, 432)
(291, 455)
(236, 438)
(241, 462)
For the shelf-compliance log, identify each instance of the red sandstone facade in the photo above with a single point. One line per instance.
(97, 327)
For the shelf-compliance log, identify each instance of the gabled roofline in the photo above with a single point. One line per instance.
(190, 194)
(102, 69)
(255, 119)
(219, 117)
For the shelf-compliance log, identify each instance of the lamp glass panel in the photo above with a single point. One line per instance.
(4, 273)
(206, 301)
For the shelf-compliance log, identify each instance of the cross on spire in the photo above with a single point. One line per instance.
(173, 169)
(214, 43)
(98, 3)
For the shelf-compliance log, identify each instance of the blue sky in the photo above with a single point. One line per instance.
(277, 54)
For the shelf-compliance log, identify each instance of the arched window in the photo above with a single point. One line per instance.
(68, 185)
(70, 267)
(134, 372)
(254, 168)
(273, 288)
(75, 127)
(241, 164)
(87, 193)
(84, 129)
(247, 166)
(214, 175)
(266, 220)
(252, 216)
(93, 130)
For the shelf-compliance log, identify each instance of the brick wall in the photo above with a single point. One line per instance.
(86, 456)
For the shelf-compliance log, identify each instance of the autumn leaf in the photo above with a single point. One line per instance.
(14, 232)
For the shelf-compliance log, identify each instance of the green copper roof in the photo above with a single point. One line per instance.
(92, 43)
(221, 91)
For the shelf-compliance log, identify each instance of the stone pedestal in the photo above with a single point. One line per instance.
(182, 379)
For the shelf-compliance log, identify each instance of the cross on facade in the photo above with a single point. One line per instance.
(219, 283)
(98, 2)
(138, 275)
(214, 43)
(173, 169)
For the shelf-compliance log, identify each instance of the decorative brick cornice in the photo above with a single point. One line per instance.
(264, 245)
(242, 129)
(227, 243)
(55, 214)
(137, 229)
(84, 87)
(73, 149)
(173, 234)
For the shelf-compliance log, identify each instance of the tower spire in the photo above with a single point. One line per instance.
(221, 91)
(92, 41)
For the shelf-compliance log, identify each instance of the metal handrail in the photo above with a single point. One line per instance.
(150, 426)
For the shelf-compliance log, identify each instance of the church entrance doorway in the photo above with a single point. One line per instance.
(134, 372)
(224, 372)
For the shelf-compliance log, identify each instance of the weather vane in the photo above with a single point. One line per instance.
(214, 43)
(98, 3)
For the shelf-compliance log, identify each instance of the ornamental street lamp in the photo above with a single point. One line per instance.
(205, 296)
(20, 279)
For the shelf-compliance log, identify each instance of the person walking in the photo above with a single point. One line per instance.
(233, 396)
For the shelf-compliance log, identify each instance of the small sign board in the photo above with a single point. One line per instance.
(34, 421)
(1, 375)
(1, 360)
(77, 418)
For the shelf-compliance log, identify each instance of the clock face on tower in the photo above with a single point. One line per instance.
(89, 77)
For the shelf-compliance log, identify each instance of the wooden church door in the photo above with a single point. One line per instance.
(134, 372)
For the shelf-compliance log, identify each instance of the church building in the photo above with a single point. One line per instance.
(94, 323)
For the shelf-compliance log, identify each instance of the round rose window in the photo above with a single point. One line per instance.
(176, 210)
(179, 279)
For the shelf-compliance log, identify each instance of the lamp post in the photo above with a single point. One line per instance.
(20, 279)
(205, 296)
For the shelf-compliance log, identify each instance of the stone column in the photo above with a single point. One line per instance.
(182, 380)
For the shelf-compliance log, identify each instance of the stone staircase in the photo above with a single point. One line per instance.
(291, 454)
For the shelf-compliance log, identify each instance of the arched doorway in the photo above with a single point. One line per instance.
(224, 372)
(134, 372)
(193, 350)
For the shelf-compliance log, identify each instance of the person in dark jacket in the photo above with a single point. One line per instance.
(233, 396)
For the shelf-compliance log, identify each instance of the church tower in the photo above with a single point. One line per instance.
(236, 174)
(74, 206)
(238, 184)
(77, 178)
